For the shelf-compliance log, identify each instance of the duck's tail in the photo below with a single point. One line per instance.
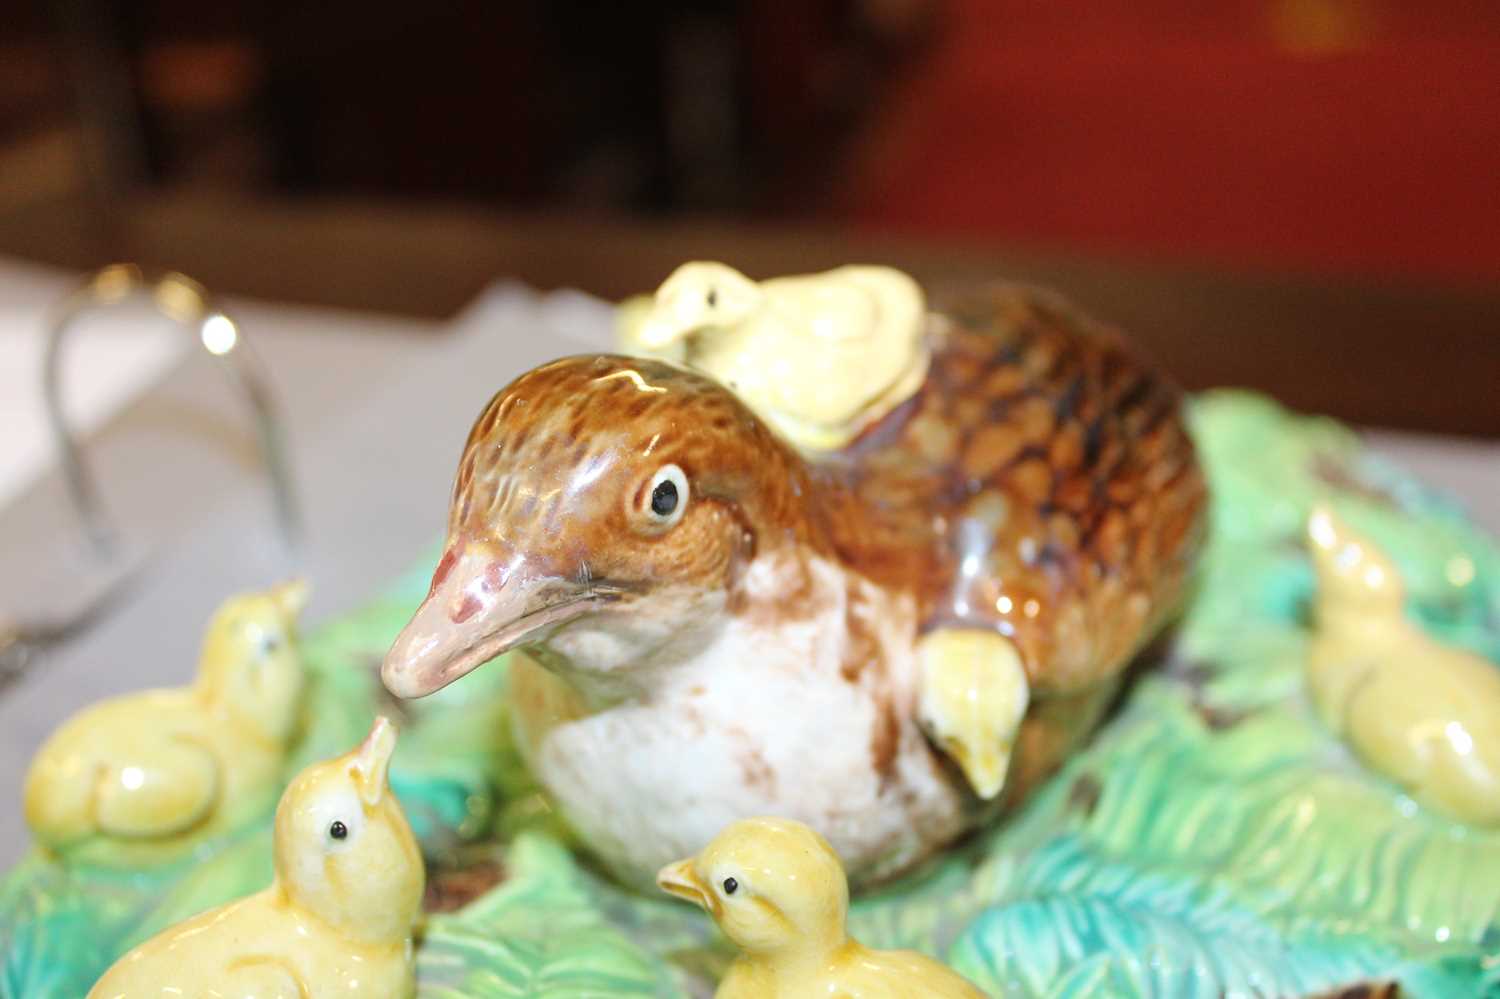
(61, 804)
(164, 793)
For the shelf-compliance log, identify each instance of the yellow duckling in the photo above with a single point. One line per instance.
(145, 775)
(818, 356)
(1424, 714)
(973, 696)
(337, 919)
(777, 889)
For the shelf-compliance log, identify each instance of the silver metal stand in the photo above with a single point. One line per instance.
(190, 305)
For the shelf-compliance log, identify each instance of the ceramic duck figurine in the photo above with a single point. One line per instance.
(817, 356)
(149, 774)
(777, 890)
(1425, 714)
(716, 627)
(337, 920)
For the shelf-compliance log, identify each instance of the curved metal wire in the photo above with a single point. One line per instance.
(190, 305)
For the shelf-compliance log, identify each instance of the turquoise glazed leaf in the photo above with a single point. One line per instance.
(1070, 945)
(539, 935)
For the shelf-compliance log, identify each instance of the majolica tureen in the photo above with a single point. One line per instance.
(1089, 688)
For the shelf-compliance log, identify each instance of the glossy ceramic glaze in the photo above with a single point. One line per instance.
(1040, 486)
(147, 776)
(338, 919)
(1426, 715)
(1213, 838)
(778, 892)
(818, 357)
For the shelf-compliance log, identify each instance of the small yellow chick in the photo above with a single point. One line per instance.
(1424, 714)
(973, 696)
(777, 889)
(818, 356)
(145, 775)
(337, 919)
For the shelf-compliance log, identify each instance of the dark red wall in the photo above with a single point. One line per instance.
(1340, 135)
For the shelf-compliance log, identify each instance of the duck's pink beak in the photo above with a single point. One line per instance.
(482, 603)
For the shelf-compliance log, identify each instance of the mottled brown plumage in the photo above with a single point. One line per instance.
(1041, 484)
(1046, 449)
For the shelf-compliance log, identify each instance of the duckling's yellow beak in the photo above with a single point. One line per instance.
(657, 331)
(291, 597)
(372, 760)
(1324, 529)
(678, 879)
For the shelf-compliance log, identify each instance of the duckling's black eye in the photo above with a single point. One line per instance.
(664, 498)
(338, 830)
(730, 886)
(713, 297)
(270, 644)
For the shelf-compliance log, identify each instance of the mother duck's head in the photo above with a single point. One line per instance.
(603, 509)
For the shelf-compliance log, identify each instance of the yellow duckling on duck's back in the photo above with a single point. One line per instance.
(147, 775)
(777, 889)
(337, 920)
(818, 356)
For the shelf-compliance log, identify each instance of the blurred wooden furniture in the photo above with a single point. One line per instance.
(1376, 353)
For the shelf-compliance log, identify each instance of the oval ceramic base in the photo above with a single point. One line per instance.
(1214, 838)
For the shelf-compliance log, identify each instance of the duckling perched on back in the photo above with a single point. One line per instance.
(338, 919)
(717, 627)
(776, 889)
(817, 356)
(1424, 714)
(147, 775)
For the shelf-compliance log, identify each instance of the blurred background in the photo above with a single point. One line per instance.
(1266, 191)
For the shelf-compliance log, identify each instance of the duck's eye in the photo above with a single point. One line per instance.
(713, 297)
(338, 830)
(668, 495)
(270, 644)
(731, 886)
(664, 498)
